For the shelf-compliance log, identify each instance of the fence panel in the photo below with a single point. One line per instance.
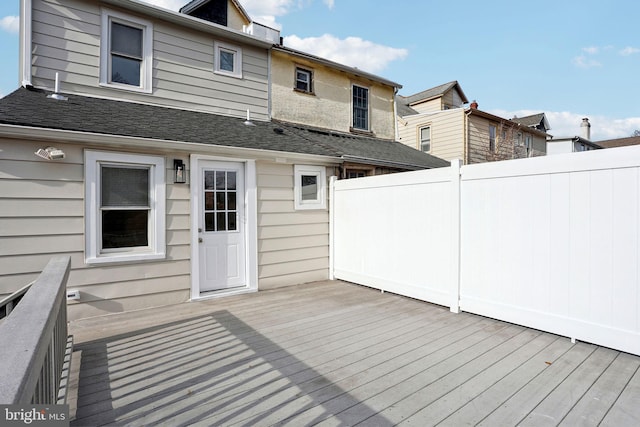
(550, 242)
(553, 243)
(396, 233)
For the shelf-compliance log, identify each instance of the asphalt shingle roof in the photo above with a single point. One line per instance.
(434, 91)
(32, 108)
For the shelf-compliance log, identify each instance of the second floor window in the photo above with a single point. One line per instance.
(425, 139)
(304, 80)
(126, 52)
(492, 138)
(228, 59)
(360, 108)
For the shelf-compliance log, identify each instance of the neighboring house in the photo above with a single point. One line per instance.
(536, 121)
(574, 144)
(143, 167)
(619, 142)
(436, 121)
(323, 95)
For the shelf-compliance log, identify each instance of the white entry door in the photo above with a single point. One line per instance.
(221, 227)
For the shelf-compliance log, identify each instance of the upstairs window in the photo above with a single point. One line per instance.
(360, 103)
(425, 139)
(228, 59)
(304, 80)
(126, 52)
(492, 138)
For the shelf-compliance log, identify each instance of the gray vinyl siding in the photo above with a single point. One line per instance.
(66, 39)
(42, 215)
(293, 246)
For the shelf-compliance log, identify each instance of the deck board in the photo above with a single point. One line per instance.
(333, 353)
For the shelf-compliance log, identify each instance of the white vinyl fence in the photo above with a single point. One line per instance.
(549, 242)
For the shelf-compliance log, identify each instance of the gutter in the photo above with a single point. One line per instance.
(25, 43)
(119, 141)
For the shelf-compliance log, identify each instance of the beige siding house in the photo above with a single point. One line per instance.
(313, 91)
(436, 121)
(141, 165)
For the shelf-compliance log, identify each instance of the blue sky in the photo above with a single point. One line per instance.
(567, 58)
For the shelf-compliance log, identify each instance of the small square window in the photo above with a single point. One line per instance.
(304, 80)
(227, 59)
(310, 187)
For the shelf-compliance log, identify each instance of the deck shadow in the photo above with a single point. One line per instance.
(172, 374)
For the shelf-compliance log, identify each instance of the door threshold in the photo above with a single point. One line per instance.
(221, 293)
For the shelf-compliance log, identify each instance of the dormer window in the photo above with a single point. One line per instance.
(126, 52)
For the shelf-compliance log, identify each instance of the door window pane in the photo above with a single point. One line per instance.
(232, 221)
(220, 201)
(209, 222)
(221, 222)
(209, 180)
(220, 181)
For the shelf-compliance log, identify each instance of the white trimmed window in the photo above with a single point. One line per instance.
(425, 139)
(360, 104)
(126, 52)
(310, 188)
(124, 206)
(227, 59)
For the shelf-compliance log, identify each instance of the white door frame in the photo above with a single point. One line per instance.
(251, 227)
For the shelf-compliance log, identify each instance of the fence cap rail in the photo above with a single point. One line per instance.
(26, 332)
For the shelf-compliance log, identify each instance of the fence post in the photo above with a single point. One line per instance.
(332, 211)
(455, 235)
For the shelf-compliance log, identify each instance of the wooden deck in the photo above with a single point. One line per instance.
(336, 354)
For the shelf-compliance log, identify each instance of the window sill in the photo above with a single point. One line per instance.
(227, 74)
(362, 132)
(127, 88)
(124, 258)
(304, 92)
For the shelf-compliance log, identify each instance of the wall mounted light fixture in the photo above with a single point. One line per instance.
(50, 153)
(179, 172)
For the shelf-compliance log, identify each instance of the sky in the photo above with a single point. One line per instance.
(567, 58)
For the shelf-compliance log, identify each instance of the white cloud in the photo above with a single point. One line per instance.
(567, 124)
(629, 51)
(329, 3)
(592, 50)
(352, 51)
(584, 62)
(10, 24)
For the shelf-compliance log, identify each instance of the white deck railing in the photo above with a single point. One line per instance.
(34, 341)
